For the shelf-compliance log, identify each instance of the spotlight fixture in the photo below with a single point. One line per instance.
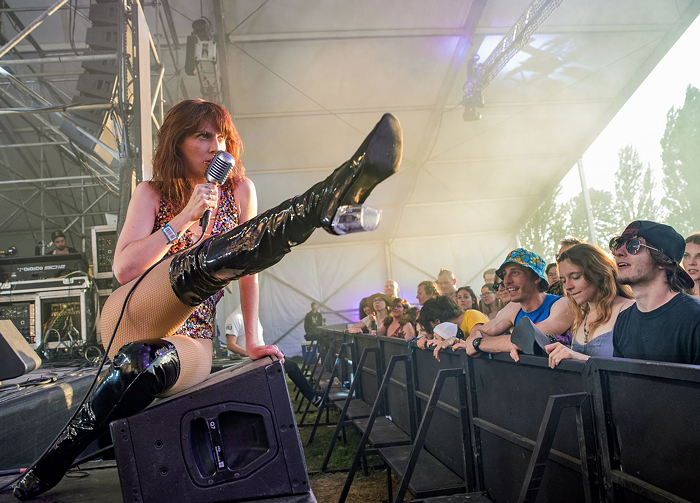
(200, 45)
(202, 29)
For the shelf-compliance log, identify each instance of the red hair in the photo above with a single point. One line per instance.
(184, 119)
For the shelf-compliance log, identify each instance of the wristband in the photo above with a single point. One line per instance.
(420, 337)
(170, 234)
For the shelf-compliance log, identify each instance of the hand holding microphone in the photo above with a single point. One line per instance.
(218, 171)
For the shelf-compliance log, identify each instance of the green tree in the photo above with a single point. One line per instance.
(681, 164)
(542, 232)
(634, 189)
(604, 221)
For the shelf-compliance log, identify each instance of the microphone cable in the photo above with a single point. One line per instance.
(105, 357)
(211, 171)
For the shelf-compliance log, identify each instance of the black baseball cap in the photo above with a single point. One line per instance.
(665, 238)
(59, 234)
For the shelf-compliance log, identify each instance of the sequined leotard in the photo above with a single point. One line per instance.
(200, 324)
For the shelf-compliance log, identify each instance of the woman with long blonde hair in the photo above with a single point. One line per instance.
(590, 282)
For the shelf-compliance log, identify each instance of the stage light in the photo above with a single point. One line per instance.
(202, 29)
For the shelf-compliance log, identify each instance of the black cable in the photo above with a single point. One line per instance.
(102, 363)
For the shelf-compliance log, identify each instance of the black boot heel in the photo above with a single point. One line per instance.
(350, 185)
(140, 371)
(261, 242)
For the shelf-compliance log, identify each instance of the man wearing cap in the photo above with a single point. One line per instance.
(664, 324)
(59, 243)
(524, 278)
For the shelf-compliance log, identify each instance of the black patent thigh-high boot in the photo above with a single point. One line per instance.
(139, 372)
(262, 241)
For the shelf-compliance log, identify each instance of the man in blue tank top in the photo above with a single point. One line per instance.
(526, 282)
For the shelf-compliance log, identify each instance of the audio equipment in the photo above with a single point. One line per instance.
(231, 438)
(36, 267)
(21, 313)
(104, 242)
(16, 356)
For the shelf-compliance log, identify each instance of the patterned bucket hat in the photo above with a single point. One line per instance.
(525, 258)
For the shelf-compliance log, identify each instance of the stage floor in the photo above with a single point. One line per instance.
(99, 482)
(33, 409)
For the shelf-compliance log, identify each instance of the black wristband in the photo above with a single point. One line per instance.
(476, 344)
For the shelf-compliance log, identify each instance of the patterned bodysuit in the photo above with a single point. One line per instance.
(200, 324)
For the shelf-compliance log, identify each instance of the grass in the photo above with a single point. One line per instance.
(328, 486)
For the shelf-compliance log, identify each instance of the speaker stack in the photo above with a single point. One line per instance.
(16, 355)
(232, 438)
(97, 84)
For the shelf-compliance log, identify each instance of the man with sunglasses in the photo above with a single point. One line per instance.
(664, 324)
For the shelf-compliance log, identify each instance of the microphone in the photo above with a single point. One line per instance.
(218, 171)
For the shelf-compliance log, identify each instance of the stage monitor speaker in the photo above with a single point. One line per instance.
(231, 438)
(16, 355)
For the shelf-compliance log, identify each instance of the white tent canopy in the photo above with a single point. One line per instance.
(307, 80)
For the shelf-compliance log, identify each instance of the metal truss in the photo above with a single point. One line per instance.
(480, 75)
(32, 103)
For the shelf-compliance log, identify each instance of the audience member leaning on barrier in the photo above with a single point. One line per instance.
(597, 298)
(664, 323)
(524, 278)
(379, 313)
(444, 309)
(398, 323)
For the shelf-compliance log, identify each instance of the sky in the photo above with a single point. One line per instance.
(642, 120)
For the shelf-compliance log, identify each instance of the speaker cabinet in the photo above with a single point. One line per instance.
(16, 355)
(231, 438)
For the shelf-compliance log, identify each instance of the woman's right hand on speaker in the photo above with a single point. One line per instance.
(257, 352)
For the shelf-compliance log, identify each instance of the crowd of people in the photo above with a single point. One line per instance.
(639, 299)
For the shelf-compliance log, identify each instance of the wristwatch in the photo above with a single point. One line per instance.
(476, 344)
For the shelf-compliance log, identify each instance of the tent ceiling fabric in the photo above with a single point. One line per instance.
(307, 80)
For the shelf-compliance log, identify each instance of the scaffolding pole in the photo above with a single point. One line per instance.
(587, 201)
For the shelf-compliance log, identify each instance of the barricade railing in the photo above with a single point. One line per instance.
(610, 430)
(646, 417)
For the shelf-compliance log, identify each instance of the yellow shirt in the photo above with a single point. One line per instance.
(472, 317)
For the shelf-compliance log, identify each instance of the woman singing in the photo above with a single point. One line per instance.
(162, 343)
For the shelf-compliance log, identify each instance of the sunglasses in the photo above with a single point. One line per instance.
(632, 245)
(498, 285)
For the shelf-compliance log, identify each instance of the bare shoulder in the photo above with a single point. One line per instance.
(562, 303)
(245, 189)
(509, 311)
(246, 199)
(145, 193)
